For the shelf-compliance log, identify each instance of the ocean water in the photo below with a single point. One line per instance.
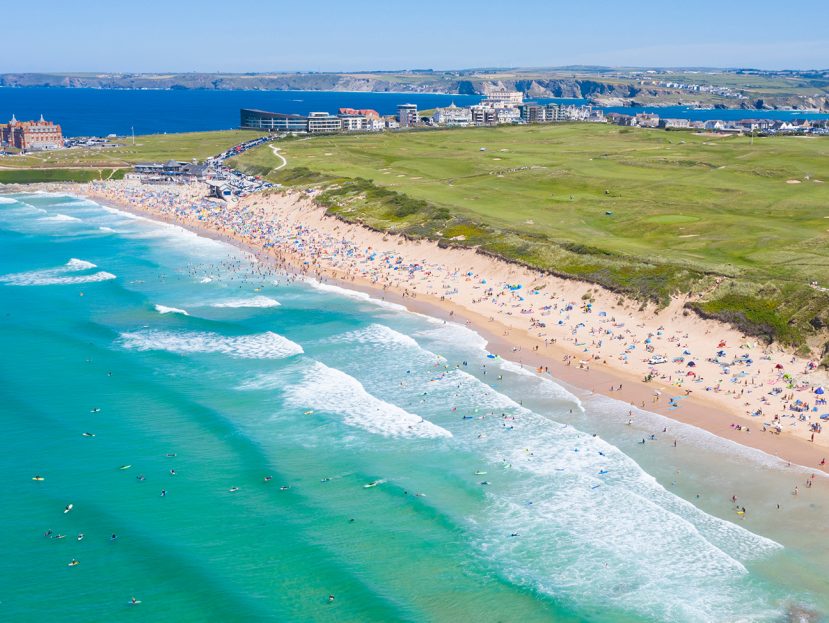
(98, 112)
(494, 494)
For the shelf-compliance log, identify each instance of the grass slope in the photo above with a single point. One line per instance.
(649, 213)
(32, 176)
(151, 147)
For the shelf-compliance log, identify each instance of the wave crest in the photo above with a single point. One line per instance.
(266, 345)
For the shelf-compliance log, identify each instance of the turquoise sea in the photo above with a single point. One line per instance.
(496, 495)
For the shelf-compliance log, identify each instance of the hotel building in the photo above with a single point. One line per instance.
(31, 135)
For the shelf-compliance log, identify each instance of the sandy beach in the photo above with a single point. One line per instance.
(668, 361)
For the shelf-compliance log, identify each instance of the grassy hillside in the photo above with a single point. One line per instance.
(648, 213)
(122, 153)
(32, 176)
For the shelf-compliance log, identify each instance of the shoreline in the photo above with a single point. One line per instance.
(512, 343)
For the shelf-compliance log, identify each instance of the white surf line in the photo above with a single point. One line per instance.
(276, 153)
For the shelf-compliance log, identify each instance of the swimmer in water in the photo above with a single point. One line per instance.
(330, 598)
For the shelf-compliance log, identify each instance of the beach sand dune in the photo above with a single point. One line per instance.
(667, 360)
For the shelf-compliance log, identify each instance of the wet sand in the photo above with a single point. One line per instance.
(719, 411)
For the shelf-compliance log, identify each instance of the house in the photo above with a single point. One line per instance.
(675, 124)
(647, 120)
(452, 116)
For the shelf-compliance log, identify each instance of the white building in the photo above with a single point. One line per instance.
(322, 122)
(452, 116)
(353, 123)
(507, 115)
(374, 124)
(505, 98)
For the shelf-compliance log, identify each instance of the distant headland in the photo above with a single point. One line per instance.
(748, 89)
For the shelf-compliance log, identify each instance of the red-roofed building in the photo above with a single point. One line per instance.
(31, 135)
(368, 113)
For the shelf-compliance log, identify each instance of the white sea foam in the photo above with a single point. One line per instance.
(108, 230)
(590, 520)
(256, 301)
(453, 334)
(353, 294)
(76, 264)
(266, 345)
(377, 335)
(61, 275)
(60, 218)
(205, 280)
(7, 200)
(333, 391)
(543, 386)
(163, 309)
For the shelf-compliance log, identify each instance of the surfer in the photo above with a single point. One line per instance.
(80, 536)
(330, 598)
(164, 493)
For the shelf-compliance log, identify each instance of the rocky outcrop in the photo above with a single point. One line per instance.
(602, 92)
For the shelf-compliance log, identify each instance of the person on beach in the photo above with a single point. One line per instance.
(292, 232)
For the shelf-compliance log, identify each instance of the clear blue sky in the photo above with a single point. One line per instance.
(329, 35)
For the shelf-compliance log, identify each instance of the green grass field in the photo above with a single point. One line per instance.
(33, 176)
(648, 213)
(152, 147)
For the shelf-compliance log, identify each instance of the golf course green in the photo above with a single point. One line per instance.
(740, 223)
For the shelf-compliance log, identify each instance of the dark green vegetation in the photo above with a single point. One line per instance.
(647, 213)
(32, 176)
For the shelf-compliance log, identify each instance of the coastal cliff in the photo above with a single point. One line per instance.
(616, 88)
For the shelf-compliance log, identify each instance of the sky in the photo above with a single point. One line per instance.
(352, 35)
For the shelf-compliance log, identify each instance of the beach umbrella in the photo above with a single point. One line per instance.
(820, 390)
(778, 367)
(691, 364)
